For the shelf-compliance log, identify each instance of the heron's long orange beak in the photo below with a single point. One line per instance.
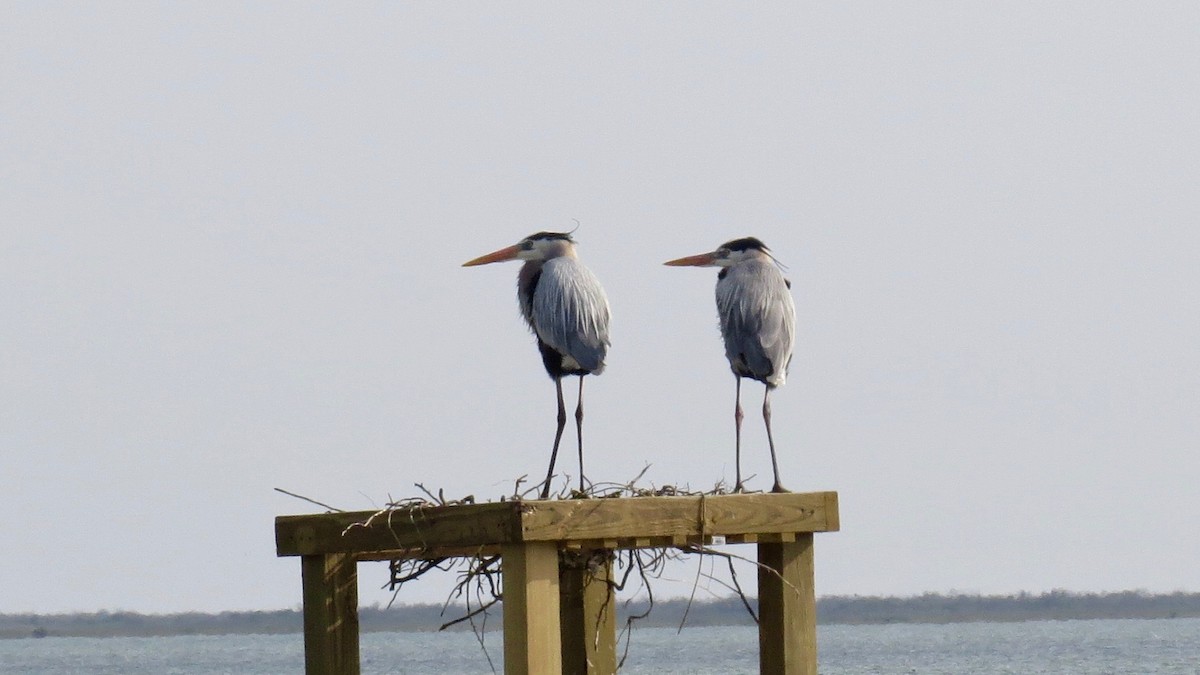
(507, 253)
(702, 260)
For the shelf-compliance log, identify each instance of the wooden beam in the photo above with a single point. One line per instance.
(626, 520)
(787, 608)
(532, 643)
(462, 525)
(330, 614)
(587, 613)
(625, 523)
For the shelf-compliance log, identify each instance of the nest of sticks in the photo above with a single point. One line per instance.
(478, 586)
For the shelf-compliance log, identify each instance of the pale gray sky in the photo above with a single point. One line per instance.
(231, 239)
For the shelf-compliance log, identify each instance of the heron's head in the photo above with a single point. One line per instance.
(539, 246)
(729, 253)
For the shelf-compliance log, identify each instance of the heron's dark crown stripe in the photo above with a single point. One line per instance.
(565, 236)
(745, 243)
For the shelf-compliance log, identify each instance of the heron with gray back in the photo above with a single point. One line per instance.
(758, 323)
(565, 307)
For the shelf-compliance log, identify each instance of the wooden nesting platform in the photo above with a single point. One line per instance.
(558, 617)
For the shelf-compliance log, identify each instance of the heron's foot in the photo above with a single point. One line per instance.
(778, 487)
(739, 487)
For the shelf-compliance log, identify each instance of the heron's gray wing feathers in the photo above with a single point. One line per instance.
(758, 320)
(570, 312)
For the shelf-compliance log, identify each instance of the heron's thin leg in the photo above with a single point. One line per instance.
(777, 487)
(579, 431)
(737, 426)
(562, 422)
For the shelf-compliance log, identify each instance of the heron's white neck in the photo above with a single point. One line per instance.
(559, 248)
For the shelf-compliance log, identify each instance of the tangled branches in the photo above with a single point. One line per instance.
(478, 584)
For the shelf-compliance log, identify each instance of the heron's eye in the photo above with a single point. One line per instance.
(526, 245)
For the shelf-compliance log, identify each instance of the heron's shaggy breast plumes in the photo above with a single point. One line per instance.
(757, 318)
(566, 308)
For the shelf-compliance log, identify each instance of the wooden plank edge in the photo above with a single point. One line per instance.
(833, 519)
(465, 525)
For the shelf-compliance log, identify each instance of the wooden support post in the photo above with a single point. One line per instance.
(787, 608)
(588, 613)
(532, 644)
(330, 614)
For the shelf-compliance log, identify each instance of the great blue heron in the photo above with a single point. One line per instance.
(758, 322)
(566, 309)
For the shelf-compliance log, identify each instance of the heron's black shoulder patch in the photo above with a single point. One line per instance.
(745, 243)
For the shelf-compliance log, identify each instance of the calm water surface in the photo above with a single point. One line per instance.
(1075, 647)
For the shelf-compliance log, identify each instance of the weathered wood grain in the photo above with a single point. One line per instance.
(532, 643)
(633, 522)
(462, 525)
(588, 613)
(787, 621)
(330, 614)
(656, 517)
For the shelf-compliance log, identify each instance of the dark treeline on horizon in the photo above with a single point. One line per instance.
(926, 608)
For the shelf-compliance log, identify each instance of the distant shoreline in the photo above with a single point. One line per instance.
(926, 608)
